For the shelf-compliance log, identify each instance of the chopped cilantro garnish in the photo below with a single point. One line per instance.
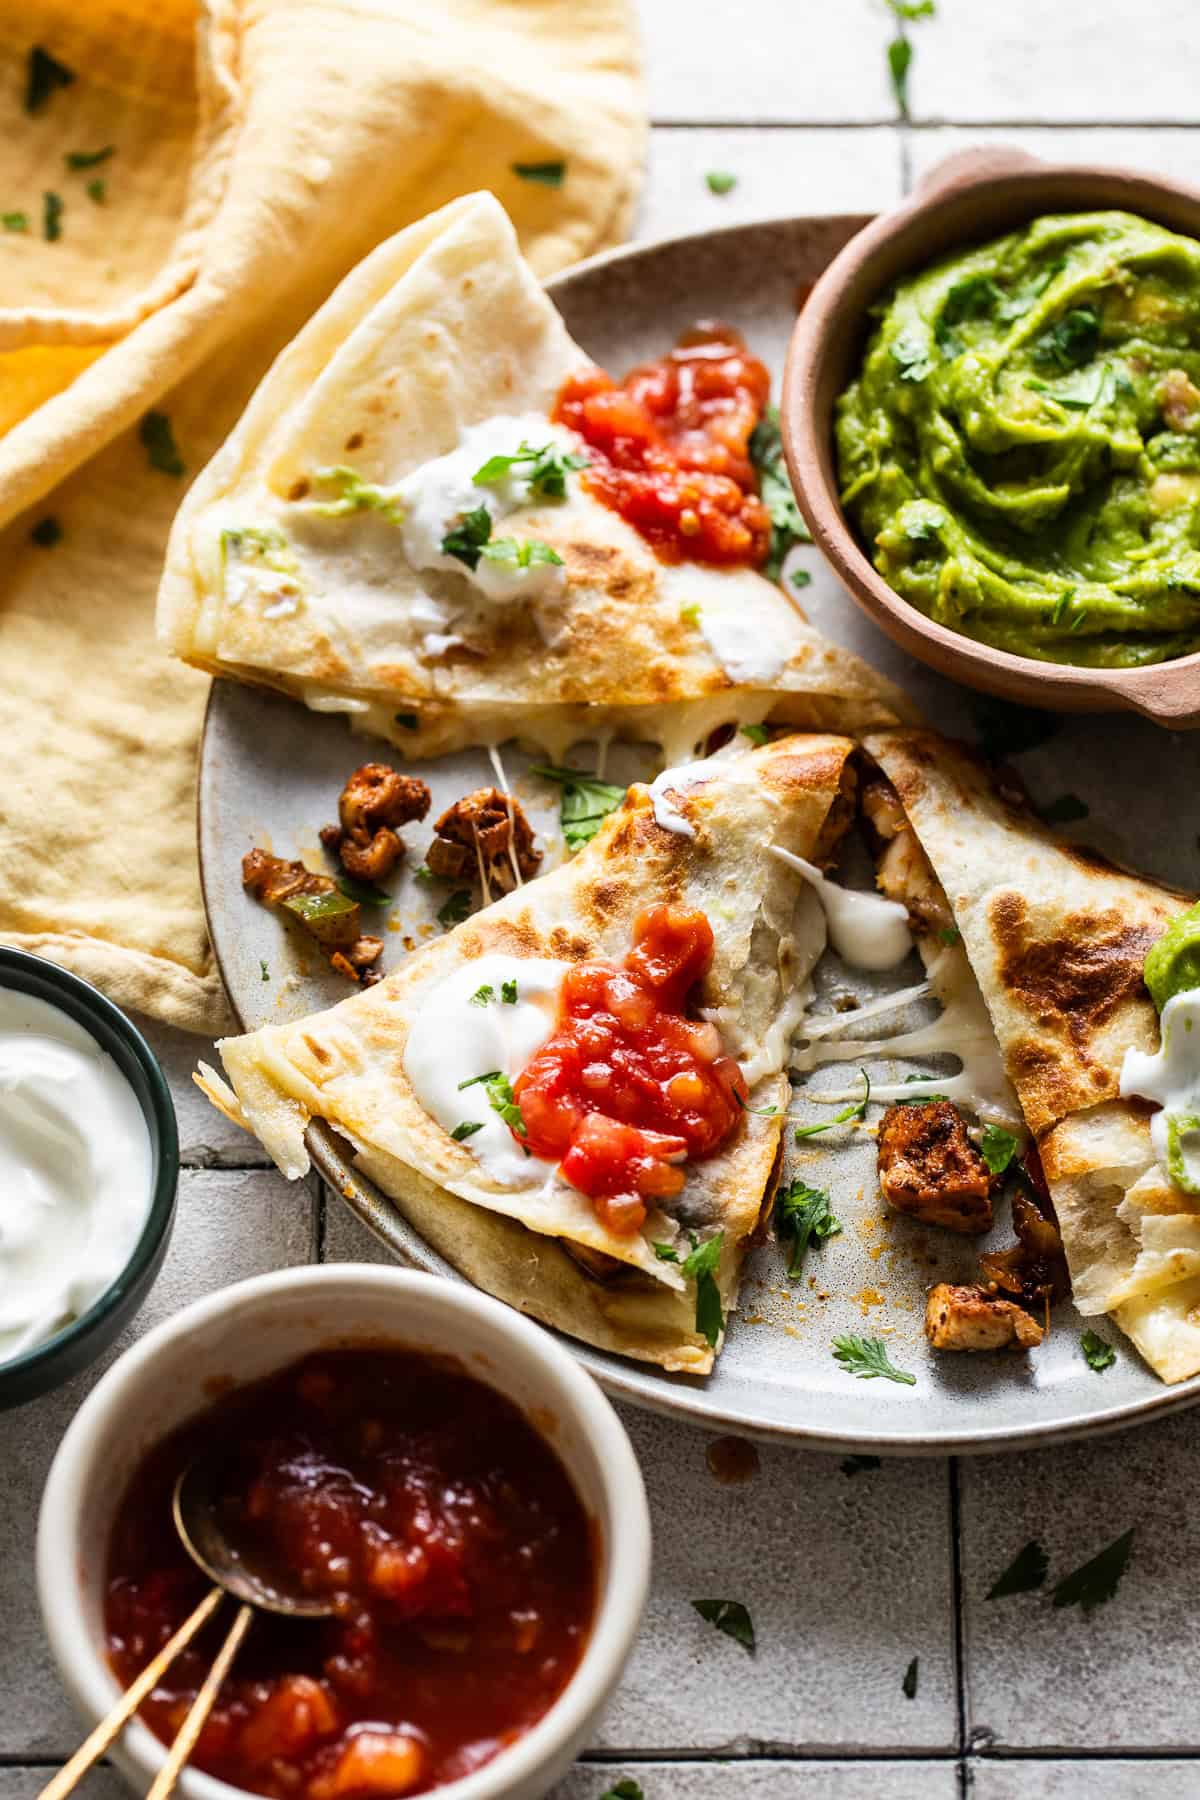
(455, 909)
(856, 1110)
(547, 474)
(949, 935)
(1098, 1353)
(775, 490)
(549, 174)
(158, 441)
(913, 9)
(690, 612)
(1065, 810)
(477, 1080)
(1096, 1581)
(519, 553)
(1025, 1573)
(758, 734)
(52, 212)
(498, 1089)
(365, 892)
(45, 74)
(701, 1267)
(266, 973)
(466, 539)
(731, 1617)
(665, 1253)
(97, 190)
(87, 159)
(800, 578)
(910, 353)
(625, 1789)
(47, 532)
(1070, 342)
(586, 802)
(803, 1213)
(15, 221)
(720, 181)
(483, 995)
(997, 1148)
(466, 1128)
(760, 1112)
(1062, 606)
(899, 60)
(868, 1359)
(508, 992)
(908, 1686)
(351, 494)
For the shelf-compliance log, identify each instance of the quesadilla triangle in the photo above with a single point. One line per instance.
(341, 548)
(444, 1075)
(1057, 937)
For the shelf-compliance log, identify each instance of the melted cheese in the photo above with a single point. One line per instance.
(867, 930)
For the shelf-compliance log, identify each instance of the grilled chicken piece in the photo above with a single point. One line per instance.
(902, 870)
(374, 802)
(1034, 1269)
(480, 837)
(330, 918)
(930, 1169)
(966, 1318)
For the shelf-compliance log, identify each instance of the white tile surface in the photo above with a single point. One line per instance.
(1175, 154)
(779, 172)
(760, 1781)
(229, 1225)
(206, 1138)
(1122, 1677)
(1109, 1778)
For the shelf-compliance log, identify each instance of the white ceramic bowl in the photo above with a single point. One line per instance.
(261, 1325)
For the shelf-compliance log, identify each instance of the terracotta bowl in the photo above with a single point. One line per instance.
(967, 199)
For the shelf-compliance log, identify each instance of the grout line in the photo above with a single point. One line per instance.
(919, 125)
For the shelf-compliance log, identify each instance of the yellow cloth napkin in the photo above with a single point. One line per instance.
(258, 151)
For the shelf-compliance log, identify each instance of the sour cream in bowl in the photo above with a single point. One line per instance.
(88, 1168)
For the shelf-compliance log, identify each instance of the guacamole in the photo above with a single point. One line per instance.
(1021, 448)
(1173, 963)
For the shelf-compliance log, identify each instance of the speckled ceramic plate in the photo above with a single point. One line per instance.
(271, 773)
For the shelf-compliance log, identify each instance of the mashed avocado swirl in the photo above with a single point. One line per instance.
(1021, 449)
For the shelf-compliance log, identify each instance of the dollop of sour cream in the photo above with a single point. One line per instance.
(462, 1031)
(443, 490)
(75, 1171)
(1171, 1075)
(867, 930)
(666, 789)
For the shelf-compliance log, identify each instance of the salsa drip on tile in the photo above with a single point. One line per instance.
(670, 447)
(629, 1087)
(443, 1528)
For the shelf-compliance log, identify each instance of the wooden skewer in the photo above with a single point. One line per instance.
(201, 1706)
(97, 1742)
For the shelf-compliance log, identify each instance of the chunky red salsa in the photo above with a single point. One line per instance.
(670, 447)
(444, 1528)
(629, 1087)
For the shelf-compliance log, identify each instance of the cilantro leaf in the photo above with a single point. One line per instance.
(96, 191)
(859, 1465)
(586, 802)
(52, 212)
(498, 1089)
(913, 9)
(1096, 1581)
(1025, 1572)
(266, 973)
(1098, 1352)
(455, 909)
(483, 995)
(87, 159)
(800, 578)
(857, 1109)
(1065, 810)
(908, 1686)
(731, 1617)
(625, 1789)
(549, 174)
(519, 553)
(899, 60)
(720, 181)
(365, 892)
(1070, 342)
(47, 532)
(15, 221)
(910, 353)
(466, 1128)
(508, 992)
(803, 1213)
(758, 734)
(45, 74)
(775, 491)
(997, 1148)
(466, 539)
(701, 1267)
(351, 494)
(547, 475)
(158, 441)
(949, 935)
(665, 1253)
(868, 1359)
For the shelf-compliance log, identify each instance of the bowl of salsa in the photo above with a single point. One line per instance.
(417, 1457)
(991, 413)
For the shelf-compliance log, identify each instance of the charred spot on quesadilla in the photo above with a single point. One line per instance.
(1077, 977)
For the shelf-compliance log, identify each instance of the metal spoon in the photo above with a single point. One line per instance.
(197, 1520)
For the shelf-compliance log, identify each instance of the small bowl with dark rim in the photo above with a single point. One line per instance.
(967, 199)
(80, 1342)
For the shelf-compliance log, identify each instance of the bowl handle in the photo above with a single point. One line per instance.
(1168, 693)
(966, 167)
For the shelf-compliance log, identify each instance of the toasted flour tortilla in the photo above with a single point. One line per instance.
(1057, 937)
(441, 331)
(346, 1066)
